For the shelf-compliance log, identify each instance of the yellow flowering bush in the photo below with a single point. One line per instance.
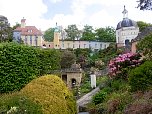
(52, 94)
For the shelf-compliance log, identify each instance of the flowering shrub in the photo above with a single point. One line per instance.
(119, 66)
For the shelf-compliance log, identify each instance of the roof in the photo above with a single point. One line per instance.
(143, 34)
(126, 23)
(28, 30)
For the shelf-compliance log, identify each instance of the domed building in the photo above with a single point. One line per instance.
(126, 30)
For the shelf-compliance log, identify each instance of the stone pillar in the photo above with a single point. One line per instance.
(93, 80)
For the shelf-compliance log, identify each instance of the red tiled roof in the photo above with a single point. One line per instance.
(29, 30)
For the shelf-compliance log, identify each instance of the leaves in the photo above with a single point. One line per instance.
(20, 64)
(106, 34)
(72, 32)
(49, 35)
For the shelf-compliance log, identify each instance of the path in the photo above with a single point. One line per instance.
(87, 98)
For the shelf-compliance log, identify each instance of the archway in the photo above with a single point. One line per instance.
(127, 43)
(73, 82)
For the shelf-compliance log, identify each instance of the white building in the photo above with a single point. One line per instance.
(126, 30)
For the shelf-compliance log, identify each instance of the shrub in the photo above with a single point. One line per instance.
(52, 94)
(99, 97)
(119, 66)
(19, 64)
(15, 103)
(140, 78)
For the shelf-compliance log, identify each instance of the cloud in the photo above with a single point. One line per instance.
(55, 1)
(15, 10)
(109, 12)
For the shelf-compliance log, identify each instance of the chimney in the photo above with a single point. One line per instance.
(23, 23)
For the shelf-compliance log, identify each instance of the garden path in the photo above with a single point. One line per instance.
(87, 98)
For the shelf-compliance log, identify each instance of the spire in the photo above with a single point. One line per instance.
(125, 13)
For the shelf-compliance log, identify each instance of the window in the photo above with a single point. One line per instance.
(89, 45)
(36, 38)
(100, 46)
(95, 45)
(25, 39)
(105, 46)
(30, 40)
(68, 45)
(84, 45)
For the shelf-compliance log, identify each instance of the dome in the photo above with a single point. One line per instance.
(126, 23)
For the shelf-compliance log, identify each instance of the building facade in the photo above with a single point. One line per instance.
(60, 43)
(29, 35)
(126, 30)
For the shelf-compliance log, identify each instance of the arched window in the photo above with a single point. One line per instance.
(73, 82)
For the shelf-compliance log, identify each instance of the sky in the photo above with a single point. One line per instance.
(97, 13)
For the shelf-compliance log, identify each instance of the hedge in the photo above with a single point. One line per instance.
(51, 93)
(19, 64)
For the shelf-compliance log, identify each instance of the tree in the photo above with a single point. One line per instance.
(106, 34)
(88, 33)
(145, 45)
(145, 4)
(6, 33)
(72, 32)
(17, 25)
(49, 35)
(67, 59)
(142, 25)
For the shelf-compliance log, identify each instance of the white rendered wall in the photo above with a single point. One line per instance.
(93, 80)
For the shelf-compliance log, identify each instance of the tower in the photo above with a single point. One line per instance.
(56, 40)
(23, 23)
(126, 30)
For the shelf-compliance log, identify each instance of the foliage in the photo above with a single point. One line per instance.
(82, 56)
(52, 94)
(99, 97)
(72, 32)
(67, 59)
(20, 64)
(120, 65)
(106, 34)
(49, 35)
(108, 53)
(88, 33)
(6, 33)
(15, 103)
(49, 59)
(141, 77)
(145, 46)
(142, 25)
(145, 4)
(85, 84)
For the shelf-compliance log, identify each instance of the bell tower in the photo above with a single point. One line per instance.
(56, 40)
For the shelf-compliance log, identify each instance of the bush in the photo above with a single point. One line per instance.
(120, 65)
(99, 97)
(16, 103)
(52, 94)
(19, 64)
(140, 78)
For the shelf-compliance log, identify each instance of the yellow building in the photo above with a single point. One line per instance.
(30, 35)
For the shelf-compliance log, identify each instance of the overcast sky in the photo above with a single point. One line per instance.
(45, 13)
